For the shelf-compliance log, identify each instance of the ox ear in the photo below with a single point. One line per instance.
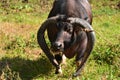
(42, 42)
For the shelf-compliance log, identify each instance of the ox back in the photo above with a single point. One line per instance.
(72, 8)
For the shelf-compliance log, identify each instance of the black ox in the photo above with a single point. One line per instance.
(70, 33)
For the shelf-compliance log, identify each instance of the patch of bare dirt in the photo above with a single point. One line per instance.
(36, 52)
(13, 29)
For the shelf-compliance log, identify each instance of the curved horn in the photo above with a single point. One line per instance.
(90, 34)
(42, 42)
(87, 28)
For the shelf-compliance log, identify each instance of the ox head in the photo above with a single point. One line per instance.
(65, 34)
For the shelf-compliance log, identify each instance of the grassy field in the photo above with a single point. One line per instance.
(22, 59)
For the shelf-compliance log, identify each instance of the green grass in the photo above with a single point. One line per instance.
(20, 52)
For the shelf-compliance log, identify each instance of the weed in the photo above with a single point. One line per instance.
(8, 74)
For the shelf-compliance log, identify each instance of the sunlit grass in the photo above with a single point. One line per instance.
(33, 19)
(19, 48)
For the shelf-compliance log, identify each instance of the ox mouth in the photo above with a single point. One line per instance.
(56, 50)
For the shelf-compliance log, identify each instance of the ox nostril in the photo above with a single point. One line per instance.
(57, 45)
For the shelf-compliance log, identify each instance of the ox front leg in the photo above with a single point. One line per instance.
(80, 58)
(60, 59)
(80, 64)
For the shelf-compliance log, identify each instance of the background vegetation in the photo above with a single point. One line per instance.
(22, 59)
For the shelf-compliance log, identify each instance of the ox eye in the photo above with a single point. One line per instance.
(68, 29)
(59, 25)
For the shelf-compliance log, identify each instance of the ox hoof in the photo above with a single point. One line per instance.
(76, 74)
(58, 71)
(64, 59)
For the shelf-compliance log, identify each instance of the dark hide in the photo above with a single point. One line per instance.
(69, 31)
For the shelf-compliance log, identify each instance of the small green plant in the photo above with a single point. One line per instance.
(8, 74)
(17, 45)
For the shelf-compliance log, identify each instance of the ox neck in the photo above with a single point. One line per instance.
(73, 40)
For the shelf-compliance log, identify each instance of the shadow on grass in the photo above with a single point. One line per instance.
(28, 69)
